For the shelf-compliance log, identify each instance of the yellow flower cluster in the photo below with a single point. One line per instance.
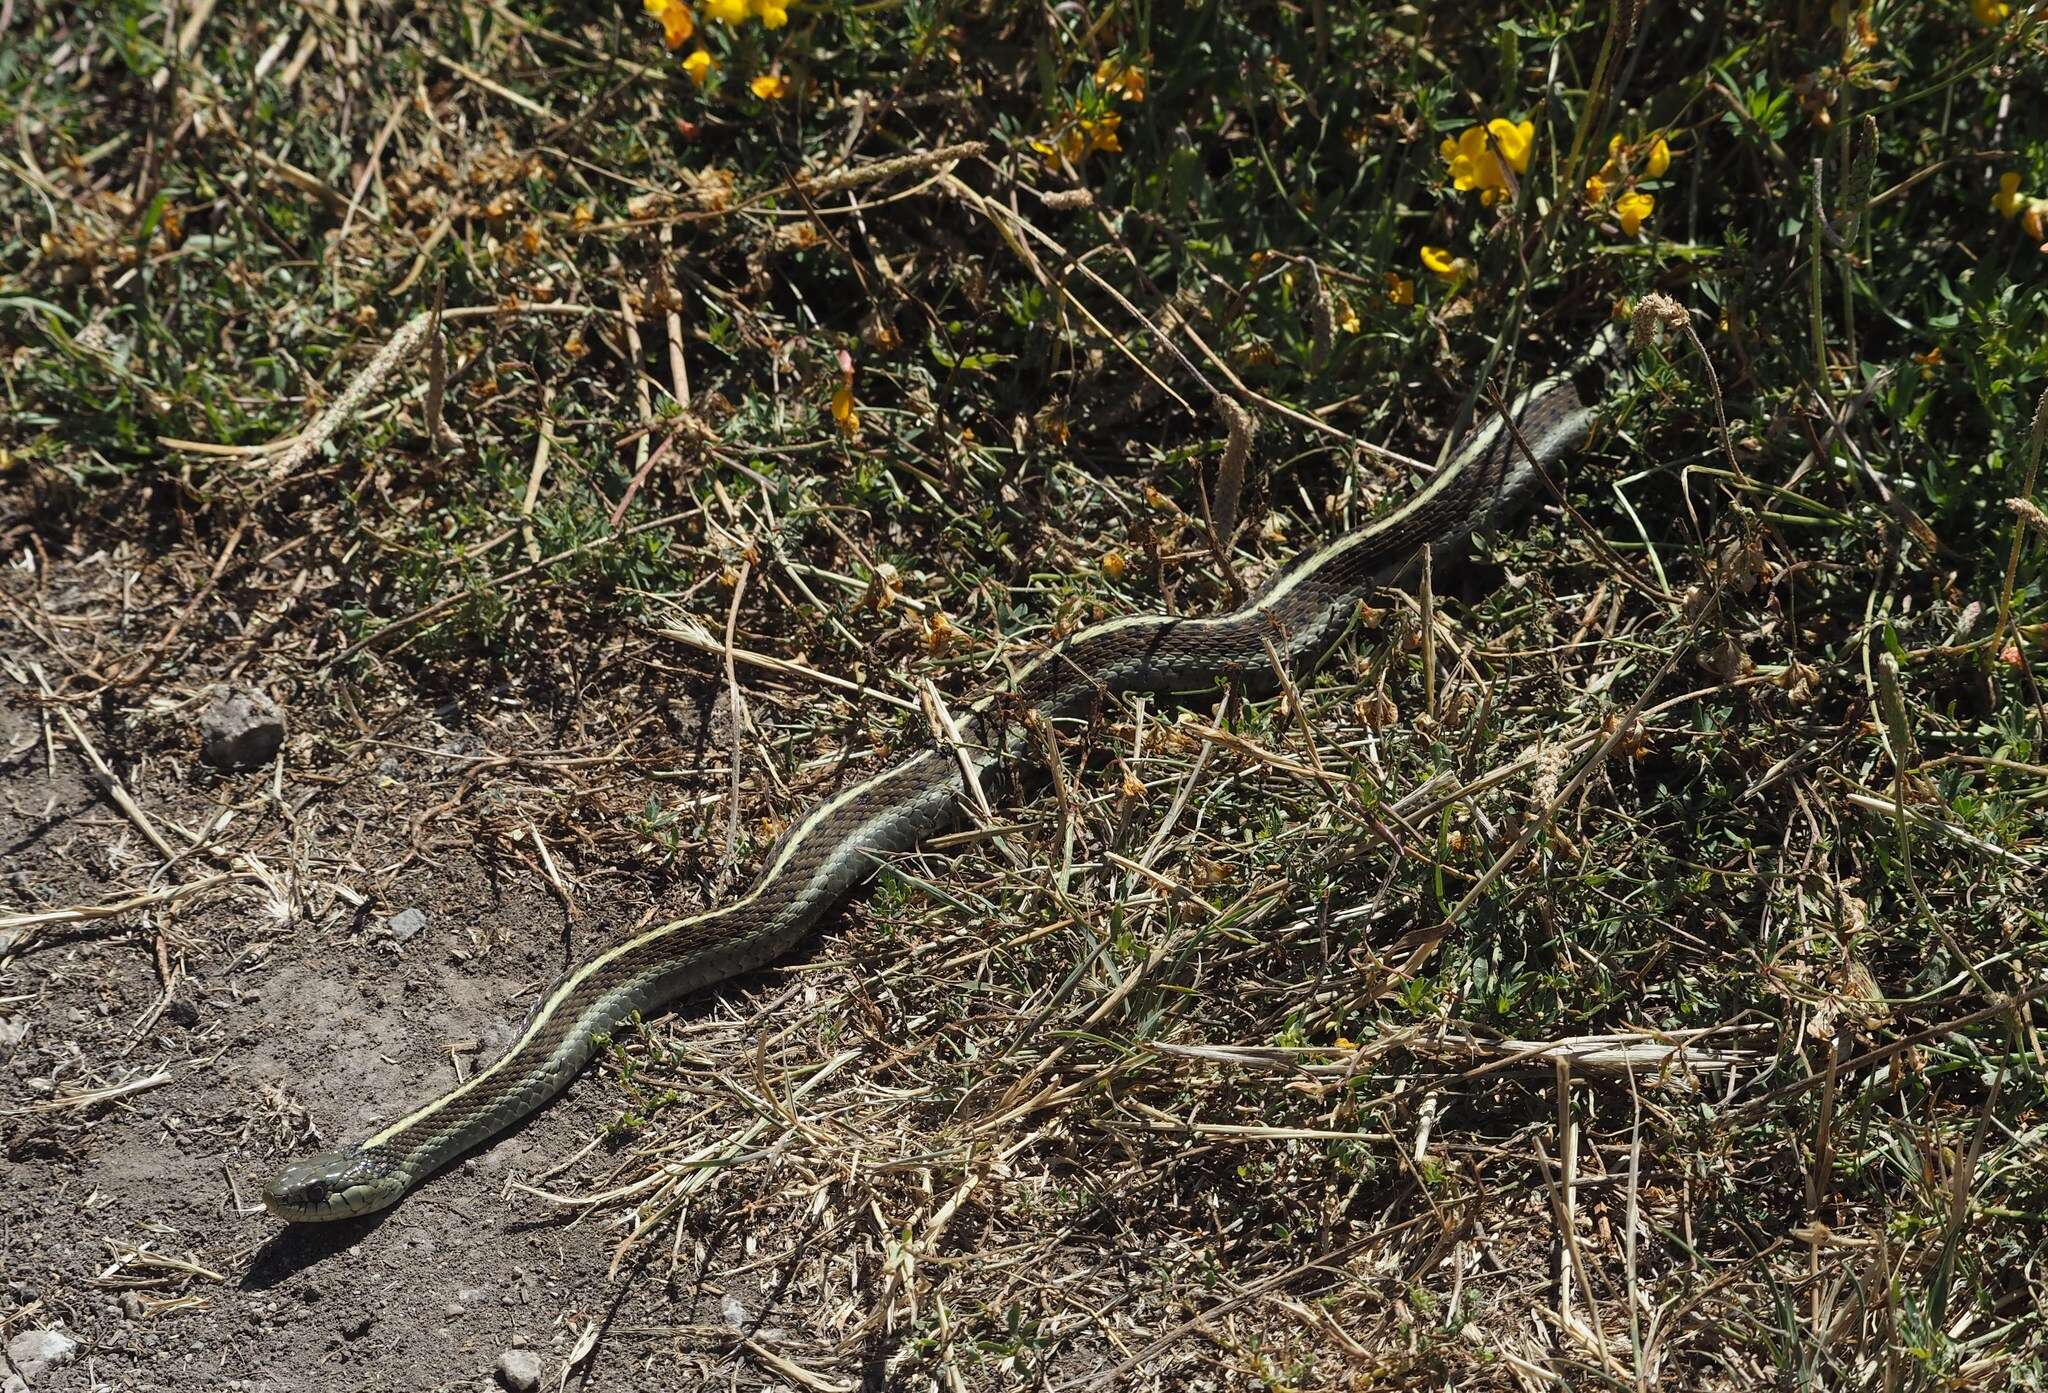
(773, 14)
(1121, 78)
(1989, 13)
(2010, 203)
(1481, 157)
(1088, 131)
(679, 22)
(1625, 164)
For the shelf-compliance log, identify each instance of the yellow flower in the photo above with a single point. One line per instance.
(1400, 290)
(1596, 190)
(1439, 262)
(726, 11)
(1990, 13)
(1631, 208)
(1101, 132)
(1115, 75)
(770, 87)
(2008, 198)
(2034, 222)
(1656, 156)
(1474, 163)
(677, 23)
(842, 409)
(698, 65)
(1515, 140)
(773, 14)
(1113, 564)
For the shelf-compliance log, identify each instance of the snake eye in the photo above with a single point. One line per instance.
(316, 1192)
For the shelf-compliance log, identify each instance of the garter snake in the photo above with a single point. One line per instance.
(837, 845)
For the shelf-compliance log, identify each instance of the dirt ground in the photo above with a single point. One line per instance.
(237, 1026)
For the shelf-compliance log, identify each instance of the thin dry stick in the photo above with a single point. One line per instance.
(738, 702)
(437, 371)
(705, 643)
(1564, 1210)
(1425, 601)
(862, 175)
(108, 779)
(543, 446)
(75, 914)
(672, 304)
(2036, 438)
(1222, 523)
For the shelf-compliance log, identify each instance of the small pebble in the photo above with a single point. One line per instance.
(131, 1305)
(519, 1370)
(241, 729)
(407, 924)
(33, 1351)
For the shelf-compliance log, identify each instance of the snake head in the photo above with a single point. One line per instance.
(334, 1185)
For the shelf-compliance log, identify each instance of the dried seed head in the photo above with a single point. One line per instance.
(1653, 312)
(1237, 452)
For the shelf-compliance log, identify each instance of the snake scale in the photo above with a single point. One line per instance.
(838, 844)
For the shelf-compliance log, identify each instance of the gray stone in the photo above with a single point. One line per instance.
(407, 924)
(33, 1351)
(241, 729)
(519, 1370)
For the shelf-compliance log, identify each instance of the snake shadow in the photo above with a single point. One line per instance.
(296, 1247)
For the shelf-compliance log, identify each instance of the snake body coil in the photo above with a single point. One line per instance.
(838, 844)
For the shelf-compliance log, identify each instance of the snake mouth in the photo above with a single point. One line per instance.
(333, 1185)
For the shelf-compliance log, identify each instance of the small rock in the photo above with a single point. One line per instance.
(242, 729)
(735, 1314)
(13, 1384)
(519, 1370)
(181, 1013)
(406, 924)
(131, 1305)
(33, 1351)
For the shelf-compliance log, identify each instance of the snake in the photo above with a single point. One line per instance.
(1289, 623)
